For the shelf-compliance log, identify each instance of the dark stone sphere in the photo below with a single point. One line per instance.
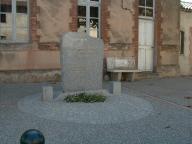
(32, 137)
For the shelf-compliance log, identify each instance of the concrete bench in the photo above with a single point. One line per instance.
(117, 66)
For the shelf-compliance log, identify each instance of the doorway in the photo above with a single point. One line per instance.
(146, 44)
(146, 35)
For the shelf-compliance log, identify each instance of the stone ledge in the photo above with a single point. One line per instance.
(30, 76)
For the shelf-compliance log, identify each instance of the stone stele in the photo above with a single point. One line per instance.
(82, 62)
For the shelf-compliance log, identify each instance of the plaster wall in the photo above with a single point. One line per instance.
(185, 60)
(54, 18)
(121, 32)
(170, 32)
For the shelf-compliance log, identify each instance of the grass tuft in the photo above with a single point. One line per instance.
(85, 98)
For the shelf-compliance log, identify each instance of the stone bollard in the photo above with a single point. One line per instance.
(32, 137)
(116, 88)
(47, 94)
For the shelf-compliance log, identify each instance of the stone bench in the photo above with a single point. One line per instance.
(116, 66)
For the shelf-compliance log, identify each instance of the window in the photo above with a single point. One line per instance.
(14, 25)
(146, 8)
(3, 18)
(89, 17)
(182, 42)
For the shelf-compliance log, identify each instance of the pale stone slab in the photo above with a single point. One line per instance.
(81, 62)
(47, 94)
(116, 88)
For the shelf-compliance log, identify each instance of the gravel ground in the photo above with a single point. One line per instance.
(116, 109)
(170, 121)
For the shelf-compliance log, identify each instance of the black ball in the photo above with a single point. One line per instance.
(32, 137)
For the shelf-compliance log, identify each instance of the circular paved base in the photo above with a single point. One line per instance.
(116, 109)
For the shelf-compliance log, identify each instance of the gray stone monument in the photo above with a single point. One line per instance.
(81, 62)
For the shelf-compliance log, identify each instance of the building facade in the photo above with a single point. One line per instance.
(185, 58)
(146, 30)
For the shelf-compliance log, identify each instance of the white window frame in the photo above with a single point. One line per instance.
(88, 4)
(145, 7)
(13, 36)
